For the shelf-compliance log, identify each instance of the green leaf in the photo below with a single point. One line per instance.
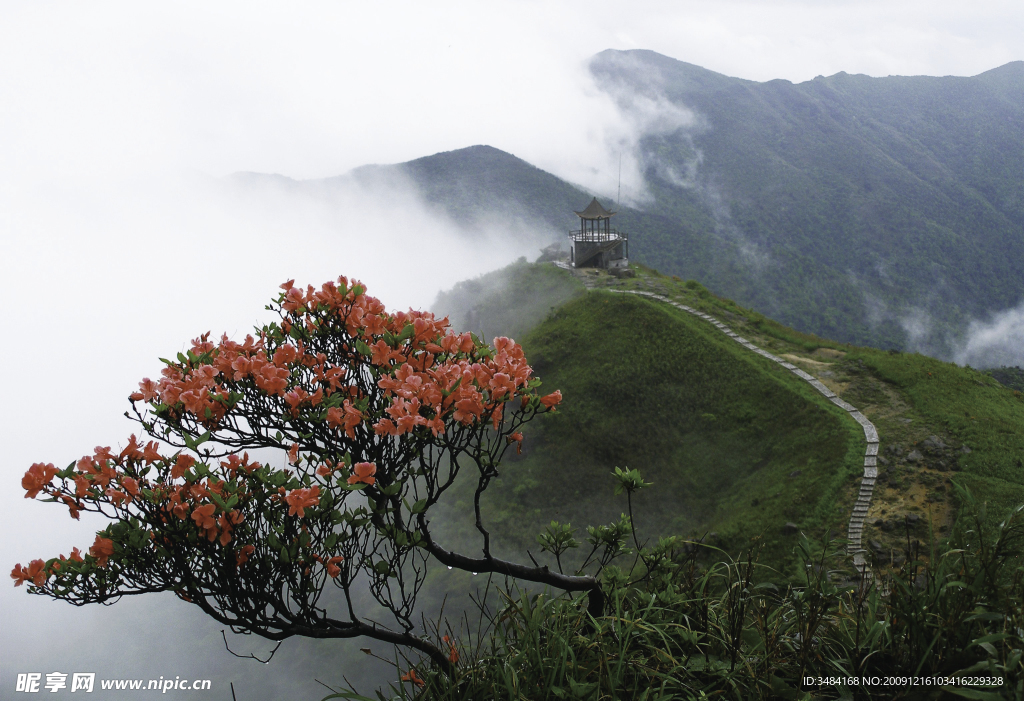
(629, 481)
(995, 637)
(419, 507)
(363, 348)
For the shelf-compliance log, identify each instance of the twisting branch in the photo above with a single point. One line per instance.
(250, 656)
(366, 407)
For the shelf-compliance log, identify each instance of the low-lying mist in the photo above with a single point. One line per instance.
(108, 275)
(993, 342)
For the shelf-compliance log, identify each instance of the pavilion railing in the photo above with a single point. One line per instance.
(598, 236)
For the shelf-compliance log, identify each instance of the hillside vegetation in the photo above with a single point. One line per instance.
(847, 201)
(734, 444)
(886, 212)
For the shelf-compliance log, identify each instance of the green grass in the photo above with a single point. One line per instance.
(507, 302)
(971, 407)
(716, 428)
(688, 631)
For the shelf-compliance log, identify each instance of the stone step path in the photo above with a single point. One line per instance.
(855, 530)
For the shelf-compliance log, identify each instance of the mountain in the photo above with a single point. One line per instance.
(734, 443)
(883, 211)
(878, 211)
(481, 183)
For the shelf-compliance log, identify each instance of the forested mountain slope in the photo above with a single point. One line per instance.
(879, 211)
(855, 207)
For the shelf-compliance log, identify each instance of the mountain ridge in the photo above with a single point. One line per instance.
(878, 211)
(881, 184)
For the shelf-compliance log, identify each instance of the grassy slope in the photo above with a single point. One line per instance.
(507, 302)
(974, 410)
(623, 362)
(717, 429)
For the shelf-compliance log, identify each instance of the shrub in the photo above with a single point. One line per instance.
(375, 413)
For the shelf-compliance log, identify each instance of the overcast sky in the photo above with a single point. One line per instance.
(312, 89)
(118, 245)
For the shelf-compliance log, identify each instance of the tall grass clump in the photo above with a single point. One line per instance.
(686, 621)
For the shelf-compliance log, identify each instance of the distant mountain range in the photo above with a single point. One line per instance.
(855, 207)
(878, 211)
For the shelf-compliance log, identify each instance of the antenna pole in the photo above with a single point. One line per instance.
(618, 196)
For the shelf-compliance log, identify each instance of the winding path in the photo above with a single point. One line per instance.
(867, 484)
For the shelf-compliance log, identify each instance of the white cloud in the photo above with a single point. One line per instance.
(996, 341)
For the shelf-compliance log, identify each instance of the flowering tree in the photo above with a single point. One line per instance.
(376, 414)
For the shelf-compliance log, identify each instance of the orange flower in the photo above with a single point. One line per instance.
(34, 573)
(148, 393)
(466, 410)
(102, 549)
(410, 676)
(301, 499)
(36, 478)
(364, 472)
(385, 427)
(453, 653)
(332, 566)
(285, 354)
(552, 400)
(150, 454)
(132, 450)
(203, 516)
(73, 506)
(516, 438)
(130, 486)
(293, 454)
(181, 465)
(346, 416)
(243, 554)
(116, 496)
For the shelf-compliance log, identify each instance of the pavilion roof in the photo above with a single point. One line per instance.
(594, 210)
